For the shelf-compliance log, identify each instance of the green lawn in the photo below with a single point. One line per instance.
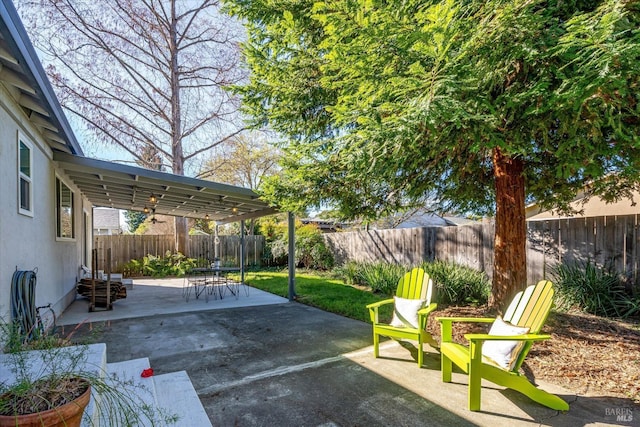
(326, 293)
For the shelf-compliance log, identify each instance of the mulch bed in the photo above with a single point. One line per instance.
(586, 354)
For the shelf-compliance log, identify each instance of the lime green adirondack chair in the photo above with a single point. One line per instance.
(414, 285)
(529, 309)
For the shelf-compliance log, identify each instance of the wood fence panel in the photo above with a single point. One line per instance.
(537, 237)
(124, 248)
(632, 274)
(601, 239)
(628, 244)
(590, 238)
(621, 244)
(610, 241)
(564, 244)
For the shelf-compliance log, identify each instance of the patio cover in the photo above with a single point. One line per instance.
(114, 185)
(120, 186)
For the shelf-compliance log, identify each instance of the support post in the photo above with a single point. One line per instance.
(292, 256)
(242, 251)
(216, 243)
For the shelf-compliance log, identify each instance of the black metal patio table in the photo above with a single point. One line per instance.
(210, 281)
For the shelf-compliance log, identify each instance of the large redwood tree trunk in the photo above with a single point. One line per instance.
(510, 262)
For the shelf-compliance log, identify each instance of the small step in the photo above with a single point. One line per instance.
(97, 363)
(175, 394)
(134, 392)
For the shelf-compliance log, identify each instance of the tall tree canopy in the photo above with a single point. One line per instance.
(246, 161)
(147, 76)
(480, 105)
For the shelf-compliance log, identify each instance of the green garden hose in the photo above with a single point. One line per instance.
(23, 302)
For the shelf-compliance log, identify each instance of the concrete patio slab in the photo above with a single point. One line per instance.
(149, 297)
(293, 365)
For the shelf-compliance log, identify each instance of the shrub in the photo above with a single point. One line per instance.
(275, 234)
(310, 248)
(133, 268)
(457, 284)
(171, 264)
(594, 289)
(381, 276)
(349, 272)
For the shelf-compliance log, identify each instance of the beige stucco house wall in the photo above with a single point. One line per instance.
(595, 206)
(30, 237)
(28, 241)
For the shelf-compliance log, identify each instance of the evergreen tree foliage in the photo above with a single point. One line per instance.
(134, 219)
(478, 105)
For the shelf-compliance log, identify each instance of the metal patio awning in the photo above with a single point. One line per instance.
(114, 185)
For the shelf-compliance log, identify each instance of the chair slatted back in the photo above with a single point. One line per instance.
(415, 284)
(530, 309)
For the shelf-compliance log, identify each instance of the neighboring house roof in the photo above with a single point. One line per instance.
(419, 218)
(458, 220)
(163, 225)
(21, 69)
(325, 225)
(424, 219)
(595, 206)
(106, 218)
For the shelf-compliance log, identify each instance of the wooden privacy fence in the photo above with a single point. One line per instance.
(470, 245)
(610, 239)
(127, 247)
(614, 239)
(606, 239)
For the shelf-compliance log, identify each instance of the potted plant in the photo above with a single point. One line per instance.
(51, 382)
(51, 401)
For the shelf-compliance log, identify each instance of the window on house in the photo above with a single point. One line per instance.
(25, 190)
(64, 211)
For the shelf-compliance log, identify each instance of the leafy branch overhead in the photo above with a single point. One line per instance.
(405, 99)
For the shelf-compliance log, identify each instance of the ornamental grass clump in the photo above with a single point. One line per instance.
(593, 289)
(458, 284)
(381, 276)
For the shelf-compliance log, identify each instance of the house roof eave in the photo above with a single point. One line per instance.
(35, 88)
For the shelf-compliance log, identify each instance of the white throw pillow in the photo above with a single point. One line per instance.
(405, 312)
(504, 353)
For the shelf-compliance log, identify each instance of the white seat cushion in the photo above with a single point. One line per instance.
(405, 312)
(504, 353)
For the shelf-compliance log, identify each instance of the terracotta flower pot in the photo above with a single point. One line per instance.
(68, 415)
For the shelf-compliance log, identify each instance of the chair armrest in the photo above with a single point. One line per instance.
(423, 315)
(446, 325)
(374, 305)
(525, 337)
(373, 309)
(428, 309)
(465, 319)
